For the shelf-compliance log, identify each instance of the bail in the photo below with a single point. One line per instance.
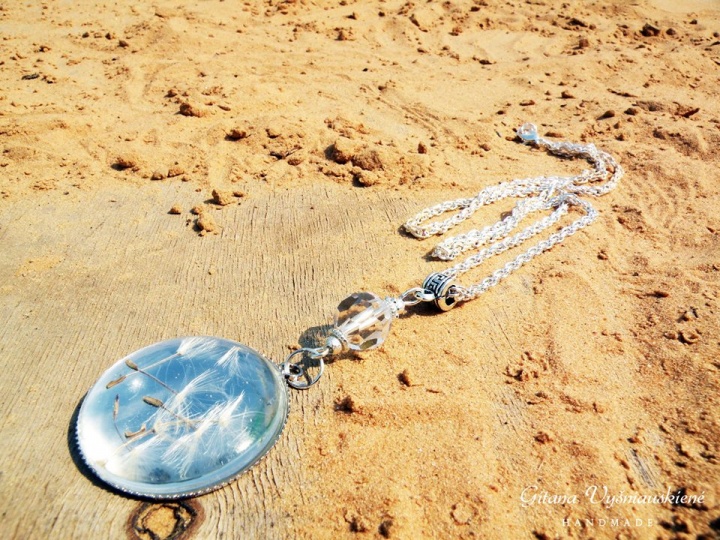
(442, 288)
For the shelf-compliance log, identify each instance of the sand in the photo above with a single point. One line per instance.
(321, 127)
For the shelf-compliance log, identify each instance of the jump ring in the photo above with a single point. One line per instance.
(293, 371)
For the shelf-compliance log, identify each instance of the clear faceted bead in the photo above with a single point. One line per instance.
(364, 320)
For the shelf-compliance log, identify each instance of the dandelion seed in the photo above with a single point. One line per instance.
(162, 361)
(153, 401)
(132, 434)
(161, 423)
(116, 410)
(132, 365)
(115, 382)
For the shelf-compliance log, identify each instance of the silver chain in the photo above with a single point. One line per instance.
(542, 193)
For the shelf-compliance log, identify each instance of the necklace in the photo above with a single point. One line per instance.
(186, 416)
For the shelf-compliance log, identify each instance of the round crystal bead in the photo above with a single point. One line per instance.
(528, 132)
(363, 319)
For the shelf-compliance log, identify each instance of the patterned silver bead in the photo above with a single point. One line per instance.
(441, 287)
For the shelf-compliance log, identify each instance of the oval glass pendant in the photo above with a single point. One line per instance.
(182, 417)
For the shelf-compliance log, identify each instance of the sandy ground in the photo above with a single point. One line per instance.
(594, 367)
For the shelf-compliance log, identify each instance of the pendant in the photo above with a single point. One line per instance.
(182, 417)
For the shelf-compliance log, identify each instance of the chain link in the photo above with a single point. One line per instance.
(542, 193)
